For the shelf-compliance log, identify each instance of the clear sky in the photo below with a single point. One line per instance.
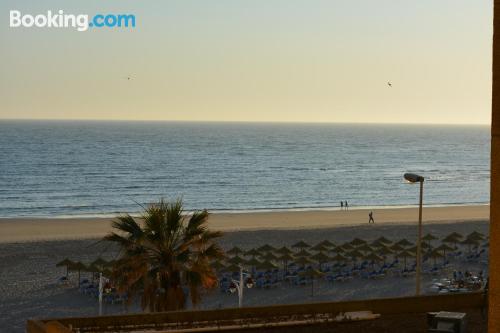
(254, 60)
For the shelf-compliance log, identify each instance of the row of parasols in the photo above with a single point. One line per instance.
(301, 253)
(97, 266)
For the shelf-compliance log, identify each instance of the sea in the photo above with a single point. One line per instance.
(94, 168)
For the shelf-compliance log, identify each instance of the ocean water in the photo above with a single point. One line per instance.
(59, 168)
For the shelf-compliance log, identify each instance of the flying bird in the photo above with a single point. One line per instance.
(389, 84)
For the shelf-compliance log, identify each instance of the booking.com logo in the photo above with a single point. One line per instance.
(80, 22)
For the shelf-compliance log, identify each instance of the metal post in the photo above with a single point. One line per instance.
(419, 239)
(100, 294)
(240, 289)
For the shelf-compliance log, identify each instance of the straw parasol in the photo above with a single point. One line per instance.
(326, 243)
(266, 248)
(339, 258)
(269, 256)
(434, 255)
(338, 249)
(312, 273)
(252, 252)
(475, 236)
(319, 248)
(320, 257)
(384, 250)
(78, 266)
(236, 260)
(301, 245)
(354, 254)
(455, 235)
(404, 243)
(347, 246)
(373, 257)
(444, 248)
(302, 253)
(99, 263)
(65, 263)
(405, 254)
(357, 242)
(365, 248)
(285, 258)
(283, 250)
(235, 251)
(302, 261)
(470, 242)
(396, 247)
(383, 240)
(452, 239)
(266, 266)
(253, 262)
(429, 237)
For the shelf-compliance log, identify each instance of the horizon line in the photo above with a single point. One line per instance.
(240, 121)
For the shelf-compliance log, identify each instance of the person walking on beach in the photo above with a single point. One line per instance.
(346, 205)
(341, 205)
(370, 218)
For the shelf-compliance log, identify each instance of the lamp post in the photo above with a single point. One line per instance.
(413, 178)
(240, 285)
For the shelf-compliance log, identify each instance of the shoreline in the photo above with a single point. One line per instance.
(28, 229)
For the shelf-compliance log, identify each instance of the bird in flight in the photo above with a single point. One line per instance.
(389, 84)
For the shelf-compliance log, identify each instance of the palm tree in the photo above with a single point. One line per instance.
(164, 253)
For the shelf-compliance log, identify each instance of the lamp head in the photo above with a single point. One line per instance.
(413, 178)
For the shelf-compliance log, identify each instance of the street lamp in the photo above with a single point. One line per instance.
(239, 286)
(413, 178)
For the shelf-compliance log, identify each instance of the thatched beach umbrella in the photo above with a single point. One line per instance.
(476, 236)
(321, 258)
(338, 249)
(404, 243)
(444, 248)
(302, 253)
(384, 251)
(266, 266)
(365, 248)
(236, 260)
(266, 248)
(383, 240)
(235, 251)
(79, 267)
(320, 248)
(65, 263)
(357, 242)
(326, 243)
(455, 235)
(429, 238)
(373, 257)
(99, 263)
(339, 258)
(301, 245)
(405, 254)
(396, 247)
(348, 246)
(312, 273)
(253, 263)
(269, 257)
(470, 242)
(302, 261)
(354, 254)
(286, 258)
(434, 255)
(283, 250)
(452, 239)
(252, 252)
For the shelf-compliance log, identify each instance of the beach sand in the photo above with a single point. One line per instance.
(32, 229)
(30, 250)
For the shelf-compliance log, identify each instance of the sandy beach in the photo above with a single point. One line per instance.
(30, 250)
(34, 229)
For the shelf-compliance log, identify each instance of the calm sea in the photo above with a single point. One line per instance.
(101, 168)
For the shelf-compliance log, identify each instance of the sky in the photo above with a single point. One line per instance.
(254, 60)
